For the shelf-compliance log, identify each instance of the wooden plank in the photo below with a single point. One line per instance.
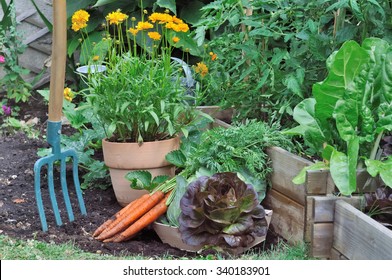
(25, 15)
(288, 219)
(220, 123)
(309, 218)
(322, 240)
(336, 255)
(316, 182)
(285, 167)
(36, 36)
(324, 207)
(359, 237)
(44, 48)
(35, 22)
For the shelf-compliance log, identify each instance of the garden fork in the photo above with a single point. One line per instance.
(54, 127)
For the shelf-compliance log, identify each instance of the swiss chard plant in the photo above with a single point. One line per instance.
(349, 113)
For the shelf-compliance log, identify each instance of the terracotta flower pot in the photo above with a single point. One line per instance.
(124, 157)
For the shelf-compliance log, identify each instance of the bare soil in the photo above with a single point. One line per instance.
(18, 210)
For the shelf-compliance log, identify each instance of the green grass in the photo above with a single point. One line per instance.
(13, 249)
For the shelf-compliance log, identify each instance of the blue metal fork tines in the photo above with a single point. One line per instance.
(57, 156)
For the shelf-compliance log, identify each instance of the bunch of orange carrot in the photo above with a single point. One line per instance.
(134, 217)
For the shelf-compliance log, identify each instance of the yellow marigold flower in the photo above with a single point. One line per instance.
(133, 31)
(116, 17)
(171, 25)
(175, 39)
(68, 94)
(183, 27)
(177, 20)
(160, 18)
(201, 69)
(95, 57)
(79, 20)
(213, 56)
(144, 25)
(154, 35)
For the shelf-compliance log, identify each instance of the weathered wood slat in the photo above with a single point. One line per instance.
(289, 216)
(324, 207)
(219, 123)
(25, 15)
(44, 48)
(322, 239)
(316, 182)
(285, 167)
(35, 22)
(357, 236)
(36, 36)
(336, 255)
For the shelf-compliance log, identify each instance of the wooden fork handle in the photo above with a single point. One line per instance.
(59, 53)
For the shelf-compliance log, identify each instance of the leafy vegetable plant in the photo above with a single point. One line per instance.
(350, 112)
(240, 149)
(221, 210)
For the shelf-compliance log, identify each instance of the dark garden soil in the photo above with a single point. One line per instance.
(18, 211)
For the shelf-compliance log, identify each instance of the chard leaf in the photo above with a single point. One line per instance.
(339, 171)
(343, 168)
(385, 118)
(346, 115)
(375, 167)
(380, 56)
(301, 176)
(304, 114)
(345, 67)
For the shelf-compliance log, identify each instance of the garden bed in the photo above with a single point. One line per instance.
(19, 215)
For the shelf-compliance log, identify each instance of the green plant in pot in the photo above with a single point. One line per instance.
(140, 99)
(349, 114)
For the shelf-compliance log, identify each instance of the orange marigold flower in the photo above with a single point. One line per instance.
(201, 69)
(116, 17)
(160, 18)
(79, 20)
(154, 35)
(175, 39)
(133, 31)
(144, 25)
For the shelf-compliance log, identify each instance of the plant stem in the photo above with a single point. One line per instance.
(376, 145)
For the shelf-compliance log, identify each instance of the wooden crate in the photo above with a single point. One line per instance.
(359, 237)
(304, 212)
